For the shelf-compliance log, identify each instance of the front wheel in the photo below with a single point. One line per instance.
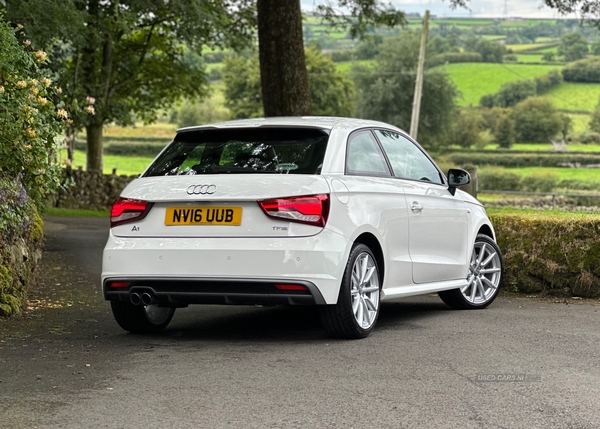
(141, 319)
(483, 278)
(357, 309)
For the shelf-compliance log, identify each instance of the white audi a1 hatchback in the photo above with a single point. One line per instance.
(335, 212)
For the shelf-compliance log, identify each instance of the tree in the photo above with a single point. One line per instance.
(548, 57)
(130, 58)
(536, 120)
(594, 124)
(206, 112)
(596, 47)
(29, 125)
(331, 92)
(573, 47)
(584, 70)
(284, 79)
(586, 9)
(466, 129)
(385, 91)
(241, 77)
(368, 48)
(504, 133)
(491, 52)
(511, 93)
(566, 126)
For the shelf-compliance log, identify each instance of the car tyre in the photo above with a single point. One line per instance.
(141, 319)
(485, 273)
(357, 309)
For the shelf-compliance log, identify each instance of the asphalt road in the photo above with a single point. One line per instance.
(522, 363)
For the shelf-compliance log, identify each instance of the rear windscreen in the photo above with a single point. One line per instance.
(239, 151)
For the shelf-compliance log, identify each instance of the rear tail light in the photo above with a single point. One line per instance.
(309, 209)
(125, 210)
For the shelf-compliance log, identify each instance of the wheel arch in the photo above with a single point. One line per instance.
(487, 230)
(372, 243)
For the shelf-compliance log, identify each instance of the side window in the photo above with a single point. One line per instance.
(364, 156)
(407, 160)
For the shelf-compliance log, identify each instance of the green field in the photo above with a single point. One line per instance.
(128, 165)
(464, 22)
(474, 80)
(159, 129)
(553, 49)
(525, 47)
(590, 175)
(580, 123)
(530, 58)
(575, 96)
(493, 37)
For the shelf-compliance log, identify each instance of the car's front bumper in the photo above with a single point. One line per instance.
(227, 270)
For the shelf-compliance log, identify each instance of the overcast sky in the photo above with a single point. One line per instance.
(478, 8)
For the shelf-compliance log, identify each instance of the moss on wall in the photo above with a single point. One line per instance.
(550, 253)
(17, 264)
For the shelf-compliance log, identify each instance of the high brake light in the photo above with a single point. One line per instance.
(125, 210)
(309, 209)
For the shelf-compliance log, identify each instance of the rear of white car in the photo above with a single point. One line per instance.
(258, 257)
(243, 222)
(295, 211)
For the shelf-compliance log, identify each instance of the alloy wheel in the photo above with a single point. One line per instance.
(364, 294)
(484, 274)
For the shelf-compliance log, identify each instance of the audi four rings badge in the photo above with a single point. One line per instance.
(201, 189)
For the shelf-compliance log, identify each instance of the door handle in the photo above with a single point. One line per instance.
(416, 207)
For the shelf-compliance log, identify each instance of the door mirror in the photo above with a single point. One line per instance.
(457, 178)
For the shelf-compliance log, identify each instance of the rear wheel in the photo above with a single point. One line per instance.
(141, 319)
(483, 278)
(357, 309)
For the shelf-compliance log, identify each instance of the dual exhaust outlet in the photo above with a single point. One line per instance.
(145, 298)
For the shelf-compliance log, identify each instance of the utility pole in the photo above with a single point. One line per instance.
(416, 108)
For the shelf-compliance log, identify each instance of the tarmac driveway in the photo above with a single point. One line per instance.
(522, 363)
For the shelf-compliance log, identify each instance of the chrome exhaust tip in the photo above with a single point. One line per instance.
(147, 299)
(135, 299)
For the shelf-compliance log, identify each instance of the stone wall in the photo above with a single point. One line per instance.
(93, 191)
(17, 265)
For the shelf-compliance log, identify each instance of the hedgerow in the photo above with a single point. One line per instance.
(554, 254)
(29, 173)
(584, 70)
(512, 159)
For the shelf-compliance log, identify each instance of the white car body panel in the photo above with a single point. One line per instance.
(320, 259)
(425, 250)
(438, 224)
(172, 191)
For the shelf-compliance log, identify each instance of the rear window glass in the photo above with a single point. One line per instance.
(253, 150)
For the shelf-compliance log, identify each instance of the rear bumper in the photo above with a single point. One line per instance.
(176, 292)
(226, 269)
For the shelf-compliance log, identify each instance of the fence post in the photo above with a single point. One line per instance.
(472, 187)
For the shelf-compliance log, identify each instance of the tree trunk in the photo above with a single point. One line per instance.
(94, 147)
(90, 78)
(283, 74)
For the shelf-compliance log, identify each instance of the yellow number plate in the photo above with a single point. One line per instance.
(203, 216)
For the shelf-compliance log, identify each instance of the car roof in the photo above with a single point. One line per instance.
(322, 122)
